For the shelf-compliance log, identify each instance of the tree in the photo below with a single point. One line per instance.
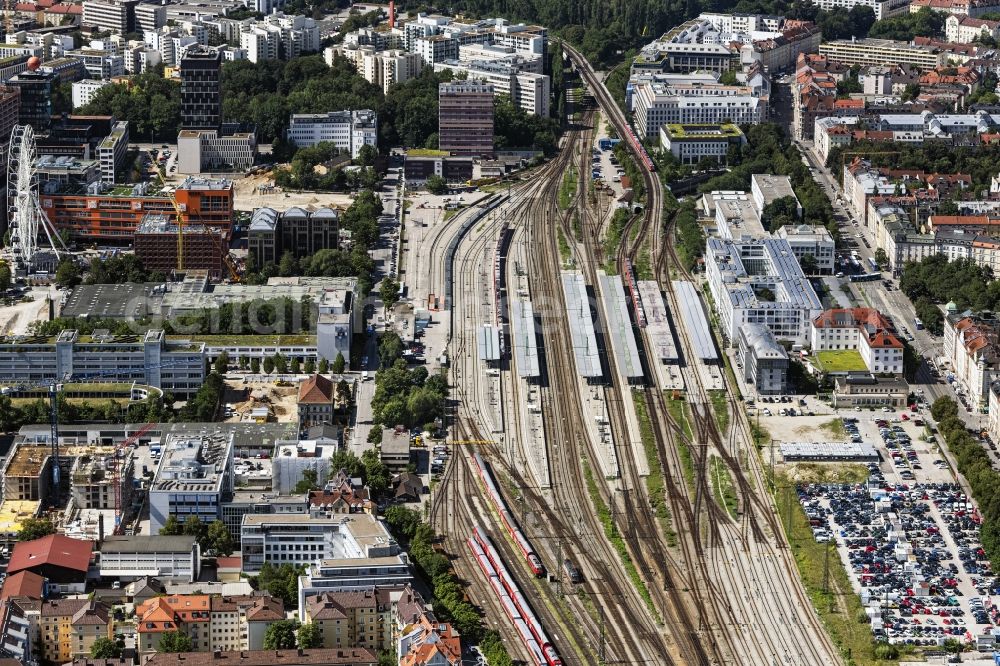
(174, 641)
(280, 635)
(105, 648)
(309, 481)
(219, 540)
(910, 92)
(4, 276)
(389, 292)
(68, 273)
(255, 365)
(222, 363)
(288, 266)
(194, 527)
(35, 528)
(881, 258)
(295, 366)
(343, 392)
(376, 473)
(436, 184)
(781, 211)
(280, 581)
(338, 364)
(367, 154)
(172, 527)
(809, 264)
(943, 407)
(281, 363)
(268, 365)
(309, 367)
(324, 365)
(310, 636)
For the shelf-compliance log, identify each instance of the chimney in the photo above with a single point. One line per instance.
(392, 13)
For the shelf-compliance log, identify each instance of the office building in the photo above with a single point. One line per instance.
(764, 361)
(35, 106)
(99, 214)
(366, 556)
(972, 346)
(111, 152)
(760, 281)
(194, 478)
(167, 558)
(529, 90)
(201, 94)
(864, 330)
(150, 16)
(656, 104)
(155, 243)
(465, 118)
(148, 359)
(204, 150)
(690, 144)
(810, 241)
(111, 15)
(84, 91)
(298, 231)
(93, 484)
(99, 64)
(871, 52)
(346, 130)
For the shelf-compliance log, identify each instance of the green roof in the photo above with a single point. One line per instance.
(840, 360)
(426, 152)
(246, 340)
(724, 131)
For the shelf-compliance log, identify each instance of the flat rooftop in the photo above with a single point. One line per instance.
(581, 325)
(657, 320)
(748, 266)
(195, 462)
(14, 512)
(695, 320)
(620, 326)
(523, 338)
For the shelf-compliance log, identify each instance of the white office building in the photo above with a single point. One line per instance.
(167, 558)
(763, 360)
(347, 130)
(199, 151)
(111, 152)
(810, 240)
(194, 478)
(656, 104)
(760, 281)
(84, 91)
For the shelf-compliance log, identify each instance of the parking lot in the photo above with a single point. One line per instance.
(909, 538)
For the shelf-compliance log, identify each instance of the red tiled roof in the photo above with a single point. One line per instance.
(23, 584)
(872, 324)
(316, 390)
(55, 550)
(234, 562)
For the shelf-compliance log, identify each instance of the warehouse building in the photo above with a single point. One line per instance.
(129, 558)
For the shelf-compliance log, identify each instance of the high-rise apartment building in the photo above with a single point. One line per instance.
(465, 118)
(201, 94)
(10, 101)
(114, 15)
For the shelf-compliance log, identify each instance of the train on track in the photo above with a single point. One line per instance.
(628, 275)
(633, 141)
(543, 653)
(534, 562)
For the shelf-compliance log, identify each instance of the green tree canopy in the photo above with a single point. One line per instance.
(105, 648)
(35, 528)
(309, 636)
(280, 635)
(174, 641)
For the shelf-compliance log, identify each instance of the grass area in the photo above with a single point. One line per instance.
(613, 236)
(826, 472)
(248, 340)
(568, 188)
(564, 251)
(577, 227)
(835, 427)
(95, 387)
(611, 532)
(720, 409)
(679, 412)
(427, 152)
(655, 484)
(93, 402)
(838, 607)
(644, 263)
(839, 360)
(722, 487)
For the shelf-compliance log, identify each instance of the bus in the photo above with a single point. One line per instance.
(873, 264)
(919, 324)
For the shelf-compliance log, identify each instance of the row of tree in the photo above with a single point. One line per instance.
(404, 396)
(213, 538)
(12, 416)
(934, 281)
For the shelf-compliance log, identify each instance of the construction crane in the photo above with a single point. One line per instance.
(121, 450)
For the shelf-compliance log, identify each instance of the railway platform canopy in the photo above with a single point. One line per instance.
(488, 343)
(524, 340)
(658, 322)
(695, 321)
(581, 326)
(620, 328)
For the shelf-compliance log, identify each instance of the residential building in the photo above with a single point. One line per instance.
(84, 91)
(861, 182)
(347, 618)
(972, 346)
(35, 90)
(810, 241)
(150, 16)
(239, 622)
(760, 281)
(18, 636)
(188, 614)
(870, 52)
(882, 8)
(656, 104)
(692, 143)
(194, 478)
(111, 152)
(201, 94)
(763, 360)
(379, 67)
(129, 558)
(429, 642)
(965, 30)
(100, 64)
(862, 329)
(315, 403)
(353, 656)
(107, 217)
(346, 130)
(67, 628)
(204, 150)
(854, 391)
(394, 450)
(111, 15)
(973, 8)
(62, 561)
(23, 584)
(435, 49)
(465, 118)
(156, 245)
(261, 42)
(312, 539)
(528, 90)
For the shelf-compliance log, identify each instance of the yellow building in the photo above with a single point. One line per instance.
(352, 619)
(67, 628)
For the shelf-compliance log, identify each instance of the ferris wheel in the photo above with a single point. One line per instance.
(25, 216)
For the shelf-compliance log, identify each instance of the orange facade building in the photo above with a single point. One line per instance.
(111, 218)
